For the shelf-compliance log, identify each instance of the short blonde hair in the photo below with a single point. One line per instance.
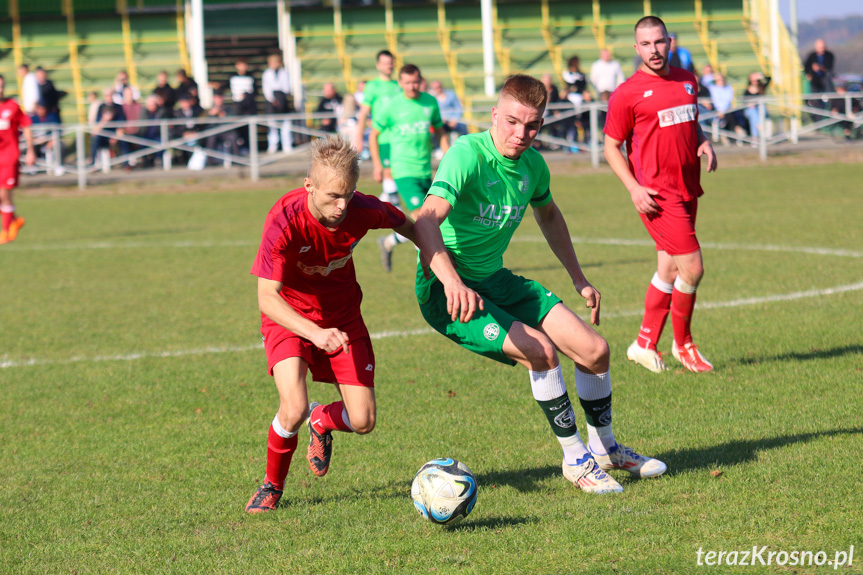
(335, 154)
(525, 90)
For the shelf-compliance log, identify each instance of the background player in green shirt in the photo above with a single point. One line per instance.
(408, 120)
(376, 96)
(481, 192)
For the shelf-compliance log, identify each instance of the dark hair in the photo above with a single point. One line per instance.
(409, 70)
(384, 53)
(651, 22)
(574, 61)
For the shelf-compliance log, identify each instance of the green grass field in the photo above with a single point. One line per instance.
(134, 399)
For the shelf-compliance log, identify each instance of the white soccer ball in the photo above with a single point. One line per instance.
(444, 491)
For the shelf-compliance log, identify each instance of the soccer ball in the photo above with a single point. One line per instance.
(444, 491)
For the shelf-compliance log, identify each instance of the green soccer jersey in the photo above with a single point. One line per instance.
(377, 95)
(489, 195)
(408, 124)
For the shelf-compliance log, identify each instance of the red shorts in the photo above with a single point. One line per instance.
(354, 368)
(673, 228)
(9, 175)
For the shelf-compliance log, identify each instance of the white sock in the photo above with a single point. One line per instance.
(592, 388)
(661, 285)
(389, 186)
(548, 386)
(277, 427)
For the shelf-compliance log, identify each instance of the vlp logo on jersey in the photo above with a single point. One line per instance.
(414, 128)
(491, 331)
(494, 215)
(677, 115)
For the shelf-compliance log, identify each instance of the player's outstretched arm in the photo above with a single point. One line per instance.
(362, 116)
(641, 196)
(277, 309)
(461, 301)
(30, 154)
(706, 148)
(407, 229)
(556, 232)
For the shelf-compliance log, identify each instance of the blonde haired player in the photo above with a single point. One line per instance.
(310, 310)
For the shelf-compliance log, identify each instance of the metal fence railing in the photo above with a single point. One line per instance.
(234, 140)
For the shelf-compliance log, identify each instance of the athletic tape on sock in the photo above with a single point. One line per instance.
(277, 427)
(684, 287)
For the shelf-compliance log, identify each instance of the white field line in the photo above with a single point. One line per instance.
(191, 244)
(7, 363)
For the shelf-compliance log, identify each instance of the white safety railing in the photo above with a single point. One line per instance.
(780, 120)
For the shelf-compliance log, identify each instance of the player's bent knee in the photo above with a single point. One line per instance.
(364, 424)
(596, 355)
(291, 416)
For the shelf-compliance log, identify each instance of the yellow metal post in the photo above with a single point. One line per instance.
(648, 9)
(131, 67)
(443, 33)
(69, 10)
(554, 51)
(181, 36)
(391, 36)
(17, 53)
(598, 26)
(339, 39)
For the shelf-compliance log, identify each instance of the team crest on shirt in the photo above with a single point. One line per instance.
(524, 184)
(690, 89)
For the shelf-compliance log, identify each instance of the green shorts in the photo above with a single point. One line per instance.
(384, 150)
(507, 298)
(412, 192)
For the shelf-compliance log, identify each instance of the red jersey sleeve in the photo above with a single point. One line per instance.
(379, 214)
(24, 121)
(272, 258)
(620, 119)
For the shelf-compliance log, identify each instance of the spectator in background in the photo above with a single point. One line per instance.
(48, 94)
(451, 112)
(756, 87)
(121, 82)
(185, 85)
(551, 127)
(331, 104)
(109, 112)
(189, 110)
(707, 75)
(29, 89)
(577, 93)
(153, 110)
(678, 56)
(243, 89)
(132, 109)
(164, 91)
(606, 74)
(819, 68)
(839, 107)
(358, 93)
(43, 143)
(228, 140)
(722, 96)
(348, 120)
(93, 104)
(276, 86)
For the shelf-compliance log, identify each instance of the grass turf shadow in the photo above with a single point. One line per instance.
(814, 353)
(524, 480)
(737, 452)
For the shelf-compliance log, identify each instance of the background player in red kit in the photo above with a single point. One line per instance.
(655, 112)
(11, 120)
(310, 309)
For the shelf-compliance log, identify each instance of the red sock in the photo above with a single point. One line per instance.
(682, 305)
(280, 451)
(7, 218)
(329, 418)
(657, 303)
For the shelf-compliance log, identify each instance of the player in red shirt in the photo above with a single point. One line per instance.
(12, 119)
(655, 112)
(310, 309)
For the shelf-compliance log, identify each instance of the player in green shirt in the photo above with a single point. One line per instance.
(408, 120)
(376, 97)
(481, 193)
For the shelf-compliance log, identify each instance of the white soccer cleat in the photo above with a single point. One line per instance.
(649, 358)
(691, 358)
(628, 460)
(589, 477)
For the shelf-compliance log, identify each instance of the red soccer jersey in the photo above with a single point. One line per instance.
(11, 119)
(657, 117)
(315, 265)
